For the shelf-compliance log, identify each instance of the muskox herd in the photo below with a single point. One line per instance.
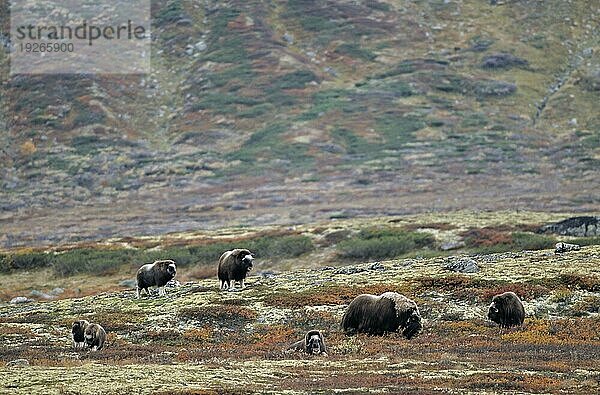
(369, 314)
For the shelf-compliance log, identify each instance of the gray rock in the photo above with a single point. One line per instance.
(201, 46)
(173, 284)
(288, 37)
(502, 61)
(57, 291)
(40, 294)
(452, 245)
(377, 266)
(462, 265)
(18, 362)
(20, 299)
(128, 283)
(575, 226)
(565, 247)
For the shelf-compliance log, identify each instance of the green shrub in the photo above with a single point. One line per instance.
(355, 51)
(586, 241)
(26, 261)
(90, 261)
(532, 241)
(379, 243)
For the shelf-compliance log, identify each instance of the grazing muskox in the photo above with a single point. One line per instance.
(95, 336)
(234, 265)
(506, 310)
(377, 315)
(313, 344)
(78, 330)
(158, 273)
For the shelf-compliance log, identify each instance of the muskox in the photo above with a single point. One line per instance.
(234, 265)
(77, 330)
(376, 315)
(313, 344)
(506, 310)
(156, 274)
(95, 336)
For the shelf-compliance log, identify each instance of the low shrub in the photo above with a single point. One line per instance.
(379, 243)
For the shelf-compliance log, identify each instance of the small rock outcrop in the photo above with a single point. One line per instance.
(576, 226)
(502, 61)
(462, 265)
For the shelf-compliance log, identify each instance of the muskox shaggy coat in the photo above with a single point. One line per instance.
(506, 310)
(234, 265)
(313, 343)
(78, 332)
(376, 315)
(95, 336)
(157, 274)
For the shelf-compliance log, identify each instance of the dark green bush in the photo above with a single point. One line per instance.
(90, 261)
(23, 261)
(379, 243)
(585, 241)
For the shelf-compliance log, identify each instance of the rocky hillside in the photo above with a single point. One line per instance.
(199, 340)
(263, 112)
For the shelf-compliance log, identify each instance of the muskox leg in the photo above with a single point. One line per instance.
(137, 293)
(242, 283)
(161, 291)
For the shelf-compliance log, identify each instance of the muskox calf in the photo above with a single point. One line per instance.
(313, 344)
(376, 315)
(95, 336)
(78, 332)
(234, 265)
(506, 310)
(156, 274)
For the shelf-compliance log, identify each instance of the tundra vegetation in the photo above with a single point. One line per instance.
(232, 342)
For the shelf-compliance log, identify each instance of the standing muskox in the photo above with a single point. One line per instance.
(95, 336)
(78, 332)
(377, 315)
(234, 265)
(506, 310)
(158, 273)
(313, 344)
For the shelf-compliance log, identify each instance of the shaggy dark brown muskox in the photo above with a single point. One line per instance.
(77, 330)
(313, 343)
(234, 265)
(95, 336)
(158, 273)
(506, 310)
(377, 315)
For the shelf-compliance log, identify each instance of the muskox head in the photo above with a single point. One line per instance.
(314, 343)
(411, 323)
(168, 266)
(245, 259)
(506, 310)
(78, 329)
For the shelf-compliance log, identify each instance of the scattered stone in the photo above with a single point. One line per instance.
(462, 265)
(173, 284)
(57, 291)
(20, 299)
(565, 247)
(502, 61)
(289, 38)
(41, 295)
(128, 283)
(18, 362)
(350, 270)
(452, 245)
(201, 46)
(377, 266)
(267, 274)
(575, 226)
